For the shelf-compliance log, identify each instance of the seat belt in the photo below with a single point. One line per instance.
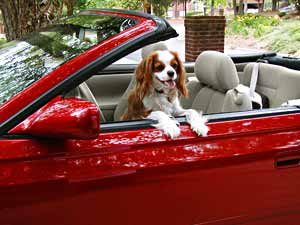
(255, 98)
(253, 81)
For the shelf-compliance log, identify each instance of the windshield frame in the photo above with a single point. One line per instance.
(150, 29)
(26, 60)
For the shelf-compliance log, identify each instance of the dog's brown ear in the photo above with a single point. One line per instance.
(143, 75)
(181, 80)
(145, 68)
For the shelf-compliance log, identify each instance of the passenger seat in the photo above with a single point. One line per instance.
(278, 83)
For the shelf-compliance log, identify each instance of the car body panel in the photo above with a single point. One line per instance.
(229, 177)
(149, 148)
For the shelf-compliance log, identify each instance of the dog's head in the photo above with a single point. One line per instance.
(162, 70)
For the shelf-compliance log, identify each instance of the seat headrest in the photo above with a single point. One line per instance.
(147, 50)
(217, 70)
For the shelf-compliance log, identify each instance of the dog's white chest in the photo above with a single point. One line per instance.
(159, 103)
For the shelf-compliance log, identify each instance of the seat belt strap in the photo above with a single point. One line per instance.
(253, 80)
(250, 91)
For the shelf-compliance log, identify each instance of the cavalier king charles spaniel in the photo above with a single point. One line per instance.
(160, 80)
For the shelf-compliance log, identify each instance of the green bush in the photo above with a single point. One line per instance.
(285, 38)
(252, 25)
(195, 13)
(2, 41)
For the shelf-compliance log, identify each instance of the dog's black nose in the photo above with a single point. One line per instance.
(170, 73)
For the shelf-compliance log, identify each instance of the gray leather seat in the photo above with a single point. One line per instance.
(214, 91)
(122, 105)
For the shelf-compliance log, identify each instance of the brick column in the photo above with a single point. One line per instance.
(203, 33)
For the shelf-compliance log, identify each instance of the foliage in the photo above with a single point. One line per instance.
(83, 4)
(105, 3)
(160, 7)
(223, 3)
(130, 4)
(124, 4)
(285, 38)
(297, 4)
(252, 25)
(22, 17)
(2, 41)
(158, 10)
(195, 13)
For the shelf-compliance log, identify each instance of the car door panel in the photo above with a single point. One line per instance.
(26, 161)
(226, 195)
(145, 178)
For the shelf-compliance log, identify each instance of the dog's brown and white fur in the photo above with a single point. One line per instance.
(160, 79)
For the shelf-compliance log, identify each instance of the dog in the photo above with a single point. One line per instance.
(160, 81)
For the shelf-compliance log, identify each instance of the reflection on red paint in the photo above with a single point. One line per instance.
(124, 152)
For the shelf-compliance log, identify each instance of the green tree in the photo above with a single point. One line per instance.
(83, 4)
(234, 5)
(297, 4)
(122, 4)
(160, 7)
(130, 4)
(241, 8)
(212, 4)
(274, 5)
(23, 16)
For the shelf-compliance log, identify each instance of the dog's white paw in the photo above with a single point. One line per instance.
(169, 128)
(200, 129)
(197, 122)
(165, 123)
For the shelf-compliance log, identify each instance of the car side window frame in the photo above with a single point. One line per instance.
(215, 117)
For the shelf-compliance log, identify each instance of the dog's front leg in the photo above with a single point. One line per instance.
(196, 121)
(165, 123)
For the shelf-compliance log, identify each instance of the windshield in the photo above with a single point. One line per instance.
(22, 62)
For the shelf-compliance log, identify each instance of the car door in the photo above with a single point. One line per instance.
(244, 172)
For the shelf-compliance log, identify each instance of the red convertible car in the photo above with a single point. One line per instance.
(65, 158)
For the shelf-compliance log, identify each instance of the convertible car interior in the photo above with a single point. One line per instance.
(213, 82)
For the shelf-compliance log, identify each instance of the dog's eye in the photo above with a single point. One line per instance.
(175, 65)
(159, 67)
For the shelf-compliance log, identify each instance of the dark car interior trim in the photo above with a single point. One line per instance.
(269, 57)
(163, 32)
(289, 62)
(251, 57)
